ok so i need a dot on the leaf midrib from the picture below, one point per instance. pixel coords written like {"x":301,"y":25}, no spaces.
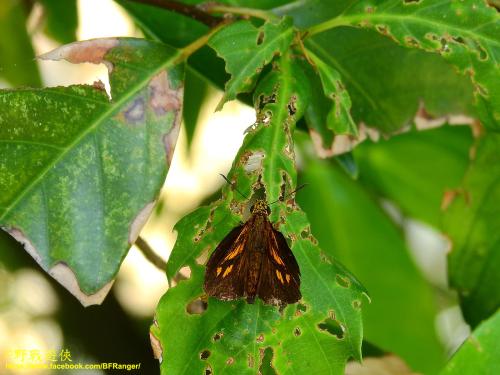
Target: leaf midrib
{"x":103,"y":117}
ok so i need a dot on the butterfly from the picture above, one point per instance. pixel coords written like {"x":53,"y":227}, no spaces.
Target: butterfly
{"x":254,"y":260}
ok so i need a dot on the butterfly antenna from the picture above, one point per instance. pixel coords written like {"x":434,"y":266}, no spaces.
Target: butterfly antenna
{"x":290,"y":193}
{"x":233,"y":186}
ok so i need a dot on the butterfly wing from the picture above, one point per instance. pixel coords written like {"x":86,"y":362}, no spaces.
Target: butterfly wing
{"x":222,"y":277}
{"x":279,"y":282}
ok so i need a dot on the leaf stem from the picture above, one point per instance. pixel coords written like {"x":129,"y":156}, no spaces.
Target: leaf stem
{"x":149,"y":254}
{"x":198,"y":43}
{"x":188,"y":10}
{"x":249,"y":12}
{"x":327,"y":25}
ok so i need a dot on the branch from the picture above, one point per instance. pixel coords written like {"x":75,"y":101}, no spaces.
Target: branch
{"x":184,"y":9}
{"x":150,"y":254}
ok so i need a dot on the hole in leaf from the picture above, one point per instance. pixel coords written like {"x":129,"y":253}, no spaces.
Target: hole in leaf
{"x":218,"y":336}
{"x":260,"y":38}
{"x":196,"y":306}
{"x":260,"y":338}
{"x":208,"y":370}
{"x":459,"y":39}
{"x":230,"y":361}
{"x":297,"y":332}
{"x":301,"y":309}
{"x":382,"y":29}
{"x":266,"y":358}
{"x":292,"y":107}
{"x":356,"y":304}
{"x":305,"y":233}
{"x":481,"y":52}
{"x":203,"y":257}
{"x":332,"y":327}
{"x":412,"y":42}
{"x":205,"y":354}
{"x":342,"y":281}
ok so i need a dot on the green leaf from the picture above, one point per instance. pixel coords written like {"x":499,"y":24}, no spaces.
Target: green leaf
{"x":479,"y":354}
{"x":414,"y":170}
{"x":339,"y":117}
{"x":79,"y":173}
{"x":61,"y":19}
{"x":320,"y":332}
{"x":472,"y":224}
{"x":247,"y":49}
{"x":467,"y":34}
{"x":352,"y":227}
{"x":17,"y":59}
{"x":387,"y":83}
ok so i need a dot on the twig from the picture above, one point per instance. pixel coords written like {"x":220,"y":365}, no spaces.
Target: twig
{"x":150,"y":254}
{"x":212,"y":7}
{"x":185,"y":9}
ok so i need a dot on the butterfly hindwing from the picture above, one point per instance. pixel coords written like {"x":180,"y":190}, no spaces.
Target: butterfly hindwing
{"x":280,"y":275}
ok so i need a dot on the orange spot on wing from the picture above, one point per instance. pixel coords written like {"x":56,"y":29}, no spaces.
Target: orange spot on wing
{"x":287,"y":276}
{"x":227,"y":271}
{"x":219,"y":270}
{"x":276,"y":257}
{"x":279,"y":276}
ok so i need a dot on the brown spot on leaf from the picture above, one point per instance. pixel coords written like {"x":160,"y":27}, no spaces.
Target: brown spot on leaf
{"x":164,"y":98}
{"x":139,"y":222}
{"x":170,"y":138}
{"x":99,"y":85}
{"x":62,"y":272}
{"x":135,"y":112}
{"x":156,"y":346}
{"x":87,"y":51}
{"x":230,"y":361}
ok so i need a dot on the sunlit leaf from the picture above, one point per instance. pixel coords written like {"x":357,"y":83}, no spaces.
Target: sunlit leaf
{"x":246,"y":49}
{"x":319,"y":333}
{"x":80,"y":173}
{"x":339,"y":117}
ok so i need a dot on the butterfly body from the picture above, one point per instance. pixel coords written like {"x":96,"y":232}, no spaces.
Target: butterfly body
{"x":254,"y":260}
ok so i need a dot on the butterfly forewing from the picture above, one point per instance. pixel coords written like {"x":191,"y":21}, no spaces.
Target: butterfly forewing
{"x":221,"y":277}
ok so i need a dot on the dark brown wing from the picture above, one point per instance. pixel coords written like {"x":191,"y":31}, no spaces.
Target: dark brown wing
{"x":222,"y":277}
{"x":279,"y":282}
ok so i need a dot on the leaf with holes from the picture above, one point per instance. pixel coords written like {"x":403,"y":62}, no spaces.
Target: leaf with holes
{"x":472,"y":223}
{"x":480,"y":352}
{"x":320,"y":332}
{"x":351,"y":226}
{"x":80,"y":172}
{"x":339,"y":117}
{"x":247,"y":49}
{"x":466,"y":33}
